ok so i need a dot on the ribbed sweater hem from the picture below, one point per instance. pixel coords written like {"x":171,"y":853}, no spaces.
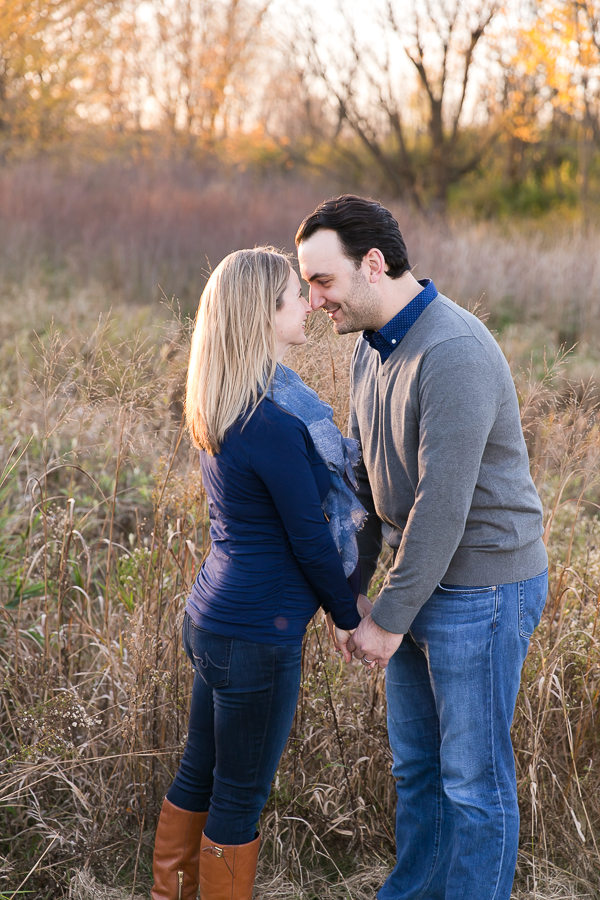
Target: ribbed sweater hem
{"x":471,"y":567}
{"x":480,"y":568}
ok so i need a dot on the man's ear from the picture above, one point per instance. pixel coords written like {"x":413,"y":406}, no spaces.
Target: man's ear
{"x":374,"y":265}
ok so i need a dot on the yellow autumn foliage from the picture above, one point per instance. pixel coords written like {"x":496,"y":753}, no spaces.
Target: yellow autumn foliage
{"x":51,"y":60}
{"x":555,"y":66}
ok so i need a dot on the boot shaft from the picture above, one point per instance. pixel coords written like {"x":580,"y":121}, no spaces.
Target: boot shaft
{"x":227,"y":871}
{"x":176,"y":853}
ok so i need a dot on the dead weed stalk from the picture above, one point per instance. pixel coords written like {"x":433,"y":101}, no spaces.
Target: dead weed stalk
{"x":104,"y":524}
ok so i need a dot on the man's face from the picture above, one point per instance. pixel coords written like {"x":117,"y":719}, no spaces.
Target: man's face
{"x":337,"y":285}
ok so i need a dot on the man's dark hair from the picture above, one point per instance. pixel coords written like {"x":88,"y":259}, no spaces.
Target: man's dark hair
{"x":360,"y":225}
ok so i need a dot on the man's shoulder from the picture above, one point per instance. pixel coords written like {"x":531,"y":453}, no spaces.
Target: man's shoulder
{"x":452,"y":339}
{"x":440,"y":322}
{"x":445,"y":320}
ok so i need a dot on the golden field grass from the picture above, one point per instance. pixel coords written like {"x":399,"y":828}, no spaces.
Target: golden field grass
{"x":103,"y":527}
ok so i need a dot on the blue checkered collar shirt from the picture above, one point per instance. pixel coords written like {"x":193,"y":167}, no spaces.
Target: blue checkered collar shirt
{"x":388,"y":338}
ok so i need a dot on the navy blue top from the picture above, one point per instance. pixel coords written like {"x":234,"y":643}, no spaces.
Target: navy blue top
{"x":388,"y":338}
{"x":272,"y":561}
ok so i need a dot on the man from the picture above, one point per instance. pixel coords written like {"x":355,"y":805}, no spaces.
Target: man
{"x":445,"y":479}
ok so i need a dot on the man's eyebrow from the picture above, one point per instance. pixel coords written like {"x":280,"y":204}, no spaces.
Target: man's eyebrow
{"x":319,"y":276}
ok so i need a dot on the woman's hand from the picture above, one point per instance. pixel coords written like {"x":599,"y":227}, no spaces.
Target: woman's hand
{"x":339,"y":637}
{"x":341,"y":642}
{"x":331,"y":629}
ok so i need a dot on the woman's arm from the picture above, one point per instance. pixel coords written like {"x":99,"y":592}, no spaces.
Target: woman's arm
{"x":283,"y":464}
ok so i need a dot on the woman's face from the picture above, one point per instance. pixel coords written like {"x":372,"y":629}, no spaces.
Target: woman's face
{"x":290,"y":318}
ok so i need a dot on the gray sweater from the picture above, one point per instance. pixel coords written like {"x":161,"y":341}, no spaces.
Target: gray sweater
{"x":444,"y":473}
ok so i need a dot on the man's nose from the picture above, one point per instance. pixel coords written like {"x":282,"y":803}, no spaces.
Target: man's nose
{"x":316,"y":300}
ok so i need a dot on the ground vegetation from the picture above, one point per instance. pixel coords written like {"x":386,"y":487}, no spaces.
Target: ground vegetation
{"x":104,"y":525}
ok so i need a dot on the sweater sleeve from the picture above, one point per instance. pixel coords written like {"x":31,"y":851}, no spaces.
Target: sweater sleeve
{"x":369,"y":537}
{"x":459,"y":397}
{"x":285,"y":468}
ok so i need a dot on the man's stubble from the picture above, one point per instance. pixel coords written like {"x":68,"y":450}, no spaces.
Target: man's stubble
{"x":361,"y":306}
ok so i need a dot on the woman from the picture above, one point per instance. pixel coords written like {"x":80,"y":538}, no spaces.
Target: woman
{"x":283,"y":524}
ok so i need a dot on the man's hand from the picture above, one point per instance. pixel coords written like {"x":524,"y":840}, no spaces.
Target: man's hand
{"x":364,"y":605}
{"x":372,"y":644}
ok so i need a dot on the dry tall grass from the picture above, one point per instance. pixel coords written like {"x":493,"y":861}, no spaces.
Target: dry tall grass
{"x":104,"y":524}
{"x":134,"y":227}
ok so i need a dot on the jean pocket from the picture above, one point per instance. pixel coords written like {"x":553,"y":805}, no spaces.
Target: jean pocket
{"x":532,"y":599}
{"x":210,"y":655}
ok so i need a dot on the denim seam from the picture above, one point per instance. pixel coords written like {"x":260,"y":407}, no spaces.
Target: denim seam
{"x":462,"y":591}
{"x":438,"y":825}
{"x":492,"y":735}
{"x":522,"y":633}
{"x":262,"y":746}
{"x":204,"y":664}
{"x":226,"y":669}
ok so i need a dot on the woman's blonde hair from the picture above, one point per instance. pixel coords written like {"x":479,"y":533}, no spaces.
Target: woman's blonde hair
{"x":233,"y":352}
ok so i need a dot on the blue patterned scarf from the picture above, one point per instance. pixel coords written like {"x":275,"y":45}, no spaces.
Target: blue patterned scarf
{"x":345,"y":514}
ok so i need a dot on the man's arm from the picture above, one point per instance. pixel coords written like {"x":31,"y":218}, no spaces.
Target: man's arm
{"x":459,"y":395}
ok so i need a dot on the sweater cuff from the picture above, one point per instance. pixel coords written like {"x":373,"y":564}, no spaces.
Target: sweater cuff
{"x":390,"y":615}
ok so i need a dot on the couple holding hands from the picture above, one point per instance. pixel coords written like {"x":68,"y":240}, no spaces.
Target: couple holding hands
{"x":436,"y":465}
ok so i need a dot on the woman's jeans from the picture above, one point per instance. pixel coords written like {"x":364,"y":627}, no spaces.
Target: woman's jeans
{"x":451,"y":691}
{"x":243,"y":704}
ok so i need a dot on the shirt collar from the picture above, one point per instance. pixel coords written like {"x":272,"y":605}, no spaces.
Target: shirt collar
{"x":389,"y":337}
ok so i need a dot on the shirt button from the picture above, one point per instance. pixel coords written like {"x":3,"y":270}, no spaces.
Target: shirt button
{"x":393,"y":340}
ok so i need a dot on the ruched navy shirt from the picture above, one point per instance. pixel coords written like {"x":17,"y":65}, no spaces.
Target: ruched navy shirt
{"x":272,"y":561}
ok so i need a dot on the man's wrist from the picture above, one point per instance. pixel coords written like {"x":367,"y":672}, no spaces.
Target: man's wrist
{"x":390,"y":617}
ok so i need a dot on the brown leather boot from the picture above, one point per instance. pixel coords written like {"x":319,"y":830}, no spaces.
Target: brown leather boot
{"x":176,"y":852}
{"x":227,"y":871}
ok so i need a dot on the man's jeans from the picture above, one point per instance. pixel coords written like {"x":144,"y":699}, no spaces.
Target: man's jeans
{"x":243,"y":704}
{"x":451,"y":691}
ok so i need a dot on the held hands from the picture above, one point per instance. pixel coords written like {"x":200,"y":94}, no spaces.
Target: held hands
{"x":340,"y":638}
{"x":341,"y":642}
{"x":371,"y":644}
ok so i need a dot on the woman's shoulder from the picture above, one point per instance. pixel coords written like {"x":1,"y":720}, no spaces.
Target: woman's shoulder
{"x":268,"y":424}
{"x":270,"y":421}
{"x":264,"y":435}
